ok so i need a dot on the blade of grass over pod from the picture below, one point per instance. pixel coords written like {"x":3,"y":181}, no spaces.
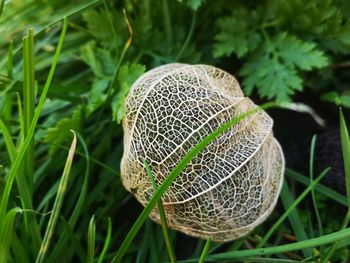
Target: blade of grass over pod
{"x":324,"y":190}
{"x":290,"y":209}
{"x":78,"y":207}
{"x":313,"y":197}
{"x":107,"y":241}
{"x":58,"y":203}
{"x":345,"y":142}
{"x":24,"y":146}
{"x":205,"y":251}
{"x":91,"y":241}
{"x":162,"y":216}
{"x":174,"y":173}
{"x":6,"y":233}
{"x":294,"y":217}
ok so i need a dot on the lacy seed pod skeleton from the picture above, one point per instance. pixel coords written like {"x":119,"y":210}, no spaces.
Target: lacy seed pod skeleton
{"x":233,"y":184}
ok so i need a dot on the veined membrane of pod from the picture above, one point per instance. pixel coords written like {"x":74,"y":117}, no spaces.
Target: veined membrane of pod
{"x":233,"y":184}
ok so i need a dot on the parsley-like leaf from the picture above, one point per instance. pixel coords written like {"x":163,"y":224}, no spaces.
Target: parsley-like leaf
{"x":273,"y":68}
{"x":237,"y":34}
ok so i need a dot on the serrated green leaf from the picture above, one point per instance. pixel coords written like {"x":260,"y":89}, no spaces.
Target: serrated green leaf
{"x":271,"y":77}
{"x":299,"y":54}
{"x":128,"y":73}
{"x":237,"y":34}
{"x":273,"y":68}
{"x":56,"y":135}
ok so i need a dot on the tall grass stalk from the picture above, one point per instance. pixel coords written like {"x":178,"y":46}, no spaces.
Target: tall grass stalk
{"x":61,"y":191}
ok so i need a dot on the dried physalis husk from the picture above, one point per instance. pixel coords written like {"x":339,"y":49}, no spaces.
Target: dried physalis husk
{"x":233,"y":184}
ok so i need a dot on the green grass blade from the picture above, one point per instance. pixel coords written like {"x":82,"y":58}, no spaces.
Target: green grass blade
{"x":6,"y":233}
{"x":58,"y":203}
{"x":163,"y":220}
{"x":173,"y":174}
{"x":107,"y":241}
{"x":10,"y":146}
{"x":314,"y":242}
{"x":322,"y":189}
{"x":294,"y":218}
{"x":2,"y":4}
{"x":91,"y":241}
{"x":24,"y":146}
{"x":313,"y":197}
{"x":334,"y":246}
{"x":205,"y":251}
{"x":345,"y":142}
{"x":6,"y":104}
{"x":78,"y":248}
{"x":247,"y":259}
{"x":28,"y":105}
{"x":59,"y":248}
{"x":19,"y":251}
{"x":290,"y":209}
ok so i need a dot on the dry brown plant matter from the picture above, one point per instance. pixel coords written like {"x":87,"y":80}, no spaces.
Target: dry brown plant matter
{"x":233,"y":184}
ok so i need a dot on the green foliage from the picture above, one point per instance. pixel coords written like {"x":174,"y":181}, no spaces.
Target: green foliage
{"x":273,"y":67}
{"x":277,"y":48}
{"x":278,"y":40}
{"x":237,"y":34}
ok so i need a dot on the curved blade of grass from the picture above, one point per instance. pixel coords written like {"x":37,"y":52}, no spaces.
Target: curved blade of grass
{"x":107,"y":241}
{"x":174,"y":173}
{"x":247,"y":259}
{"x":22,"y":149}
{"x":62,"y":241}
{"x":163,"y":220}
{"x":58,"y":203}
{"x":294,"y":217}
{"x":6,"y":233}
{"x":322,"y":189}
{"x":318,"y":241}
{"x":313,"y":197}
{"x":205,"y":251}
{"x":91,"y":241}
{"x":345,"y":143}
{"x":290,"y":209}
{"x":28,"y":108}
